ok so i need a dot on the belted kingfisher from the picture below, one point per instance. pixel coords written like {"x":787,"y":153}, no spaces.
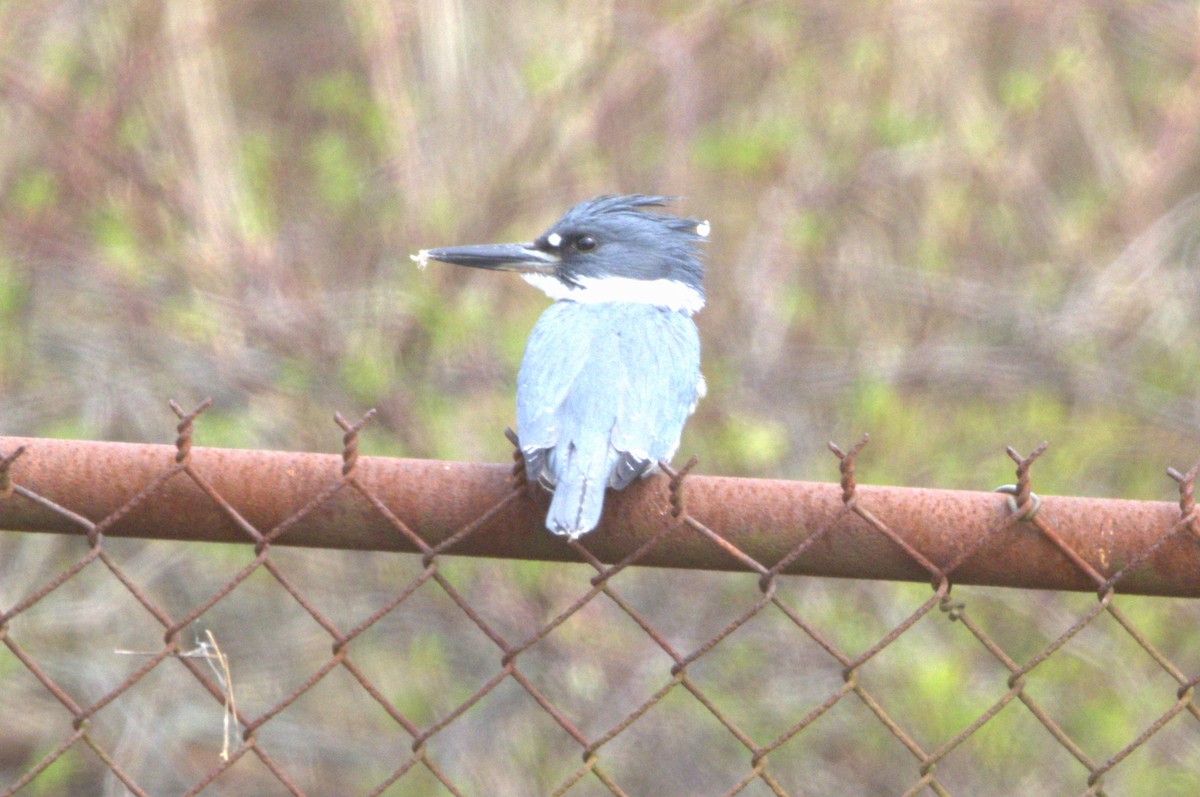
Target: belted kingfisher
{"x":611,"y":371}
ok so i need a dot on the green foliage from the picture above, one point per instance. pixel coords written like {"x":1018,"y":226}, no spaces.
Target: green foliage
{"x":259,"y":163}
{"x":339,"y":94}
{"x":753,"y":445}
{"x":225,"y":429}
{"x":808,"y":232}
{"x":895,"y":126}
{"x":426,"y":658}
{"x":367,"y":373}
{"x":337,"y":174}
{"x":749,"y":151}
{"x":35,"y":191}
{"x":1023,"y":91}
{"x":69,"y":429}
{"x":193,"y":317}
{"x":541,"y":71}
{"x":14,"y":289}
{"x":117,"y":241}
{"x":866,"y":55}
{"x":57,"y":778}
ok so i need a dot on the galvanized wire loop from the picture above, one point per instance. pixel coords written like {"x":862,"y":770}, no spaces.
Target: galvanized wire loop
{"x":1024,"y":511}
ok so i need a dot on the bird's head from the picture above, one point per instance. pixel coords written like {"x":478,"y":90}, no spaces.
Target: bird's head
{"x":607,"y":249}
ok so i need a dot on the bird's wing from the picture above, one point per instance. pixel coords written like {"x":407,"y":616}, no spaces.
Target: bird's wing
{"x":555,"y":355}
{"x":657,"y":392}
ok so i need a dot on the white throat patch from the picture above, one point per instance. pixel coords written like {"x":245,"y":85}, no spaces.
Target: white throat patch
{"x":669,"y":294}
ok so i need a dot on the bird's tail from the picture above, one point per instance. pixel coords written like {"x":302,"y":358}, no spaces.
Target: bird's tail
{"x":579,"y":495}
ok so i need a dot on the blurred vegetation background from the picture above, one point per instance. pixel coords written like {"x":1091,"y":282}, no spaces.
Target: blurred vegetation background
{"x":954,"y":225}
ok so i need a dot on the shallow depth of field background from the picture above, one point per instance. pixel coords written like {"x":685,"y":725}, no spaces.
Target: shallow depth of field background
{"x":953,"y":225}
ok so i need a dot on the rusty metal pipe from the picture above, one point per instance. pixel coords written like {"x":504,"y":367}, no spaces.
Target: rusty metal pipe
{"x":764,"y":518}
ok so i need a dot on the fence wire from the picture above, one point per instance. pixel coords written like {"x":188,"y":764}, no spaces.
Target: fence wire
{"x":418,"y":766}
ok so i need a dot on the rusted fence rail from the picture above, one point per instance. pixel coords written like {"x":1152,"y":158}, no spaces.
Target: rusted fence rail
{"x":1073,"y":543}
{"x":771,"y":529}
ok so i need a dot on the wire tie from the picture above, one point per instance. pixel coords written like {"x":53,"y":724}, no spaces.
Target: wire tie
{"x":1010,"y":492}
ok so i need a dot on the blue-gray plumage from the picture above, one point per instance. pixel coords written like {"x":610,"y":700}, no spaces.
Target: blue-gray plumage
{"x":611,"y":371}
{"x":602,"y":396}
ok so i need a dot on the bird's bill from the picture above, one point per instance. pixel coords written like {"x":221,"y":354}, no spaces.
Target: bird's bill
{"x":524,"y":257}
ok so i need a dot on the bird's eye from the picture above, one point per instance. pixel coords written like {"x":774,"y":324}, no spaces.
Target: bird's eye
{"x":585,"y":243}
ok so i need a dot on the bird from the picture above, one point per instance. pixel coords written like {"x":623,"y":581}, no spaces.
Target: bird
{"x":611,"y":370}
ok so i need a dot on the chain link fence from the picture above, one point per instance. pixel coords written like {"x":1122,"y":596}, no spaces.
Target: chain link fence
{"x":613,"y":683}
